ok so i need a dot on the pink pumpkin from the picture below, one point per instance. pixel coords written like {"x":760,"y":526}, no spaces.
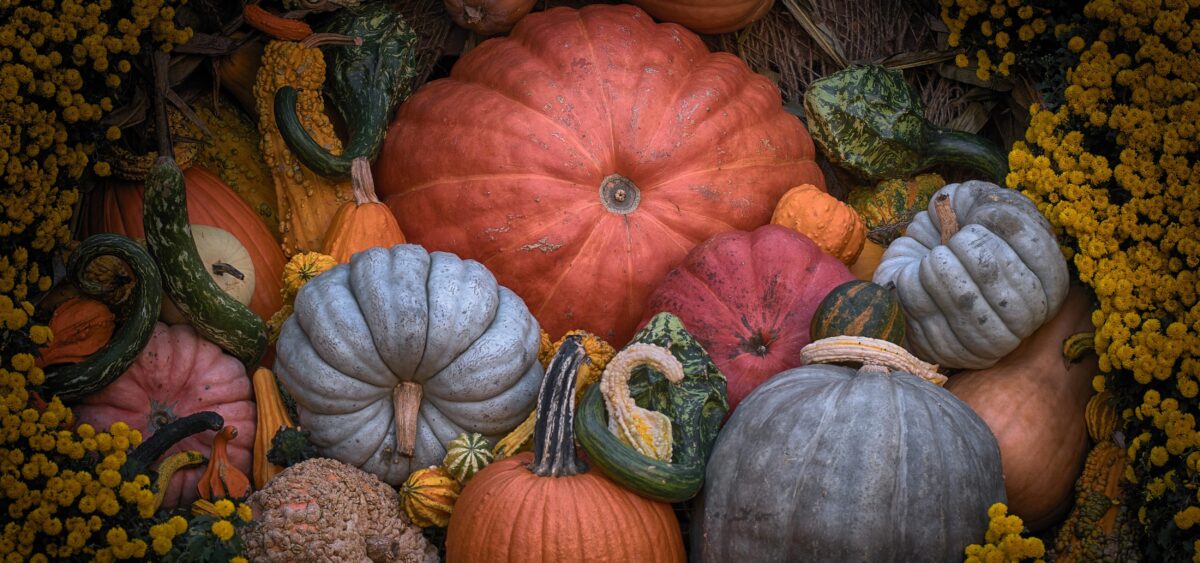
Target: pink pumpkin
{"x":177,"y":374}
{"x":748,"y":298}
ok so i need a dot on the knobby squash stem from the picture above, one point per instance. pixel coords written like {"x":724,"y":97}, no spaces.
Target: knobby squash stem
{"x":554,"y":431}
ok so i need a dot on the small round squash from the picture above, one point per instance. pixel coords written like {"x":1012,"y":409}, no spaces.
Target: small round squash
{"x":859,"y":308}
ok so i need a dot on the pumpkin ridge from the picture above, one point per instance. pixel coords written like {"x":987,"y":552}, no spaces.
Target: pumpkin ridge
{"x":570,"y":265}
{"x":488,"y":178}
{"x":756,"y":162}
{"x":942,"y":297}
{"x":996,"y":241}
{"x":726,"y":226}
{"x":604,"y":95}
{"x":533,"y":220}
{"x":672,"y":234}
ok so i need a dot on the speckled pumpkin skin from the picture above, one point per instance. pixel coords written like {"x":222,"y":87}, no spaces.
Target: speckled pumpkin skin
{"x":861,"y":466}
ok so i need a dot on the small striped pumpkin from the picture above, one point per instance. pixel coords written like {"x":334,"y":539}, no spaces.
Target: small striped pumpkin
{"x":466,"y":455}
{"x":859,"y":308}
{"x":428,"y":496}
{"x":1102,"y":418}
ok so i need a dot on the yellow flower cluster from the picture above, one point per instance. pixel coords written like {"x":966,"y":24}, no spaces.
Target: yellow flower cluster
{"x":1114,"y":170}
{"x":1003,"y":541}
{"x":1002,"y":25}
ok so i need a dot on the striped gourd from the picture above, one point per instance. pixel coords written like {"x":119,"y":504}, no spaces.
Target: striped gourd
{"x":859,"y":308}
{"x":466,"y":455}
{"x":215,"y":314}
{"x":428,"y":496}
{"x":1102,"y":418}
{"x":75,"y":381}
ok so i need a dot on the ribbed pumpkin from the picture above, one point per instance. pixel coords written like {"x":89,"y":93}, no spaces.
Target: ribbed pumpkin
{"x":833,"y":225}
{"x":843,"y":464}
{"x":584,"y":155}
{"x":118,"y":209}
{"x":1034,"y":401}
{"x":749,"y":299}
{"x":428,"y":496}
{"x":363,"y":223}
{"x":547,"y":507}
{"x":859,"y":308}
{"x":708,"y":16}
{"x":177,"y":374}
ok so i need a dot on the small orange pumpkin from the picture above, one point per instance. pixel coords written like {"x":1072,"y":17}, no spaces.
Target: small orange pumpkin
{"x":833,"y":225}
{"x":363,"y":223}
{"x":80,"y":326}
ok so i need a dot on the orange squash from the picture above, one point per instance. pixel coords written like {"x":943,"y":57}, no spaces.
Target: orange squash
{"x":1102,"y":526}
{"x":238,"y":71}
{"x":363,"y":223}
{"x":864,"y":267}
{"x":222,"y":478}
{"x":488,"y":17}
{"x":1034,"y":402}
{"x":833,"y":225}
{"x":80,"y":326}
{"x":272,"y":417}
{"x":708,"y":16}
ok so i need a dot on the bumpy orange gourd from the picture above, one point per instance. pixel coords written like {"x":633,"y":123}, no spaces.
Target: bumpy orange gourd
{"x":272,"y":417}
{"x":1034,"y":402}
{"x":232,"y":152}
{"x":80,"y":326}
{"x":1102,"y":525}
{"x":307,"y":201}
{"x":833,"y":225}
{"x":363,"y":223}
{"x":222,"y":478}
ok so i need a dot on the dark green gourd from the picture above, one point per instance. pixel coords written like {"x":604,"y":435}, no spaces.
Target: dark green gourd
{"x":870,"y":121}
{"x":696,"y":407}
{"x":364,"y":82}
{"x":75,"y":381}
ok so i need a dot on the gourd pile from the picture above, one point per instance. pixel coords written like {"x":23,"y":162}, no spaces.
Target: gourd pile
{"x":590,"y":292}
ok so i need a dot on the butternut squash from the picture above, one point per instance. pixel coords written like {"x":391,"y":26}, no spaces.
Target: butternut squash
{"x":1034,"y":402}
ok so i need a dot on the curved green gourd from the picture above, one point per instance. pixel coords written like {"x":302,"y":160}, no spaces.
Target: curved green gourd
{"x":154,"y":446}
{"x":215,"y":314}
{"x":870,"y":121}
{"x":696,"y":407}
{"x":75,"y":381}
{"x":365,"y":83}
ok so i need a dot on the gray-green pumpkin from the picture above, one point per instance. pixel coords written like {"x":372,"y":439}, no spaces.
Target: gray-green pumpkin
{"x":364,"y":82}
{"x":831,"y":463}
{"x":974,"y":289}
{"x":870,"y":121}
{"x":403,"y":349}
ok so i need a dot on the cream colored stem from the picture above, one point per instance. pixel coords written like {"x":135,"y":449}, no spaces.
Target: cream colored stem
{"x":647,"y":431}
{"x":947,"y":220}
{"x":869,"y":352}
{"x":362,"y":181}
{"x":406,"y":399}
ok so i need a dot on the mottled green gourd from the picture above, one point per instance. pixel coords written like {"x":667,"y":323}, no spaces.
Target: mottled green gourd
{"x":870,"y":121}
{"x":466,"y":455}
{"x":889,"y":206}
{"x":364,"y":82}
{"x":215,"y":314}
{"x":75,"y":381}
{"x":696,"y":406}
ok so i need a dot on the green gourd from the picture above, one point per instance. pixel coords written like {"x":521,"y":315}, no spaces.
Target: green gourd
{"x":364,"y":82}
{"x":859,"y":308}
{"x":889,"y":206}
{"x":466,"y":455}
{"x":75,"y":381}
{"x":696,"y":407}
{"x":215,"y":314}
{"x":870,"y":121}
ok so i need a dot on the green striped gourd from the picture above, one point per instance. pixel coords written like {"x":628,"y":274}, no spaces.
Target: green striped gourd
{"x":859,"y":308}
{"x":466,"y":455}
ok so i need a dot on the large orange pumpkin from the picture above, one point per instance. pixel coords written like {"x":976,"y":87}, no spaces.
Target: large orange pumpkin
{"x":581,"y":158}
{"x":118,"y":209}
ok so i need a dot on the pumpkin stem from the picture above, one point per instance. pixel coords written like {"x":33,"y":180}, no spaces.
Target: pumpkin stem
{"x":947,"y":220}
{"x":473,"y":13}
{"x":322,"y":39}
{"x":406,"y":402}
{"x":223,"y":268}
{"x":362,"y":181}
{"x":619,"y":194}
{"x":868,"y":352}
{"x":554,"y":431}
{"x":647,"y":431}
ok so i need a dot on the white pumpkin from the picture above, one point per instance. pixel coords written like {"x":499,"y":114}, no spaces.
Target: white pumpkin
{"x":971,"y":296}
{"x":395,"y":354}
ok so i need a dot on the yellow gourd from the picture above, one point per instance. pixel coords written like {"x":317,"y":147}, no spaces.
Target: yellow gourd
{"x":272,"y":417}
{"x":428,"y":496}
{"x":307,"y":201}
{"x":233,"y":152}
